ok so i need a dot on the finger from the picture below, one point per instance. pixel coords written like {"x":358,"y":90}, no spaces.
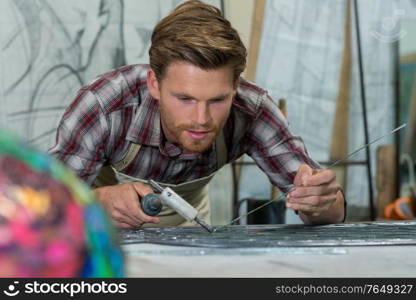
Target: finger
{"x":136,"y":212}
{"x":123,"y":210}
{"x":300,"y":207}
{"x":133,"y":208}
{"x":122,"y":225}
{"x":321,"y":177}
{"x":313,"y":214}
{"x":315,"y":201}
{"x":120,"y":218}
{"x":306,"y":208}
{"x":303,"y":173}
{"x":321,"y":190}
{"x":146,"y":218}
{"x":142,"y":189}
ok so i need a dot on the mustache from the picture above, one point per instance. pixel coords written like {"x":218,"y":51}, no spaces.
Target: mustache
{"x":196,"y":127}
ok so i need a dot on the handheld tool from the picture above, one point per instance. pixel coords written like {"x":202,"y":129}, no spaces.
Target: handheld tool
{"x":152,"y":204}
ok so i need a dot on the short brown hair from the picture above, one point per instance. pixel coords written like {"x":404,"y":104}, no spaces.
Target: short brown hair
{"x":197,"y":33}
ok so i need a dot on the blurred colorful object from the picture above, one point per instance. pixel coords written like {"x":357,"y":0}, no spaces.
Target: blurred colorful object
{"x":50,"y":223}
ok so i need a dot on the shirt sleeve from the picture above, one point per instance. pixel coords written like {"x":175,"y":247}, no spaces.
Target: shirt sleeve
{"x":273,"y":147}
{"x":81,"y":137}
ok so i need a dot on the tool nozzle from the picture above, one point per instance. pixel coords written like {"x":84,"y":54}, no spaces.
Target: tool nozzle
{"x":155,"y":186}
{"x":204,"y":225}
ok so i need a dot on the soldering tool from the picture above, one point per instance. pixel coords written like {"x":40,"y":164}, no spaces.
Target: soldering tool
{"x":152,"y":204}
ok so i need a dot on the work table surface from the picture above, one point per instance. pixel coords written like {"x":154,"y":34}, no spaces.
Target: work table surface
{"x":371,"y":249}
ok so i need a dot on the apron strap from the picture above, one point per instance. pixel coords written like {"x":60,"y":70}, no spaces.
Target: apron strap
{"x":128,"y":158}
{"x":221,"y":150}
{"x":106,"y":176}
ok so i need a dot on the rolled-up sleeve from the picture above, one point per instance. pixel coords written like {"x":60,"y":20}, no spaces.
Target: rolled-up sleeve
{"x":81,"y":137}
{"x":273,"y":147}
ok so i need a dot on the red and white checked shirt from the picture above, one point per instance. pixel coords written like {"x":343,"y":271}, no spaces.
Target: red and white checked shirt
{"x":116,"y":109}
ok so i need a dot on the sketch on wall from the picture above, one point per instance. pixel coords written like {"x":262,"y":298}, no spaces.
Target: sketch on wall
{"x":49,"y":49}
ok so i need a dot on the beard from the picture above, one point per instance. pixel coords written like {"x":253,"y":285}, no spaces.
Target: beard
{"x":179,"y":133}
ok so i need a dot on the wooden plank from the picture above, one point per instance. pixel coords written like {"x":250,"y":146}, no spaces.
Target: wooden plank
{"x":339,"y":139}
{"x":410,"y":138}
{"x":250,"y":73}
{"x":385,"y":177}
{"x":408,"y":58}
{"x":253,"y":51}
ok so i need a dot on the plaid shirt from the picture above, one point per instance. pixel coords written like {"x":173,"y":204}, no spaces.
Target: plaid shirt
{"x":116,"y":109}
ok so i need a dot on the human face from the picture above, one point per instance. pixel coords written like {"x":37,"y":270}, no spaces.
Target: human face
{"x":194,"y":103}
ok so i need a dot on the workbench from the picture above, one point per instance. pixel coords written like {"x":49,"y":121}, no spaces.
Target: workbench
{"x":367,"y":249}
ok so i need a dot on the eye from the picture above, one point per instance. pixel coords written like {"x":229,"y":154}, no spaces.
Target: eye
{"x":217,"y":100}
{"x":184,"y":98}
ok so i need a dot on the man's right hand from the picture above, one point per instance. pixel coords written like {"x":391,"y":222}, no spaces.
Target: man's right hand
{"x":122,"y":203}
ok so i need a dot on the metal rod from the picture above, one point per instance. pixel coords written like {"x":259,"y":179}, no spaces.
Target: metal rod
{"x":396,"y":75}
{"x":155,"y":185}
{"x":222,"y":7}
{"x":236,"y":183}
{"x":204,"y":225}
{"x":364,"y":111}
{"x":366,"y":145}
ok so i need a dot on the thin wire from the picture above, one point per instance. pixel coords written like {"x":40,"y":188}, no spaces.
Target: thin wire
{"x":283,"y":196}
{"x":366,"y":145}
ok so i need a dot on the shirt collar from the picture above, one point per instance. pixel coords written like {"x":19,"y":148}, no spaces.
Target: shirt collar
{"x":145,"y":128}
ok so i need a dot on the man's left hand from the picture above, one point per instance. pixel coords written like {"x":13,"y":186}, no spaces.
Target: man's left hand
{"x":317,"y":196}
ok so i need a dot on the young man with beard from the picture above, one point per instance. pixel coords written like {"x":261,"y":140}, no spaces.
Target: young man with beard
{"x":179,"y":120}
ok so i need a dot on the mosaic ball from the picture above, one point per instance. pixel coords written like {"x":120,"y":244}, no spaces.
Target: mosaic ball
{"x":50,"y":222}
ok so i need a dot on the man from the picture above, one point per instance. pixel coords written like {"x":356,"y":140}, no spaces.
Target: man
{"x":181,"y":119}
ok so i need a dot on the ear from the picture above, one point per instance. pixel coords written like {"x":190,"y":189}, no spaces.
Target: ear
{"x":153,"y":84}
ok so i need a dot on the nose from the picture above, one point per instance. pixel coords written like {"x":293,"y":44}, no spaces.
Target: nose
{"x":202,"y":114}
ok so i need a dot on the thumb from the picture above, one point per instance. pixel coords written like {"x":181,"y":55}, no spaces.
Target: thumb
{"x":142,"y":189}
{"x":304,"y":172}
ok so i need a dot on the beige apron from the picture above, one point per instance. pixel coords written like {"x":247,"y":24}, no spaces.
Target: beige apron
{"x":195,"y":192}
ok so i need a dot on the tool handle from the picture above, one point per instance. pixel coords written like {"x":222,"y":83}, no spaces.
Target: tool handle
{"x":151,"y":204}
{"x":177,"y":203}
